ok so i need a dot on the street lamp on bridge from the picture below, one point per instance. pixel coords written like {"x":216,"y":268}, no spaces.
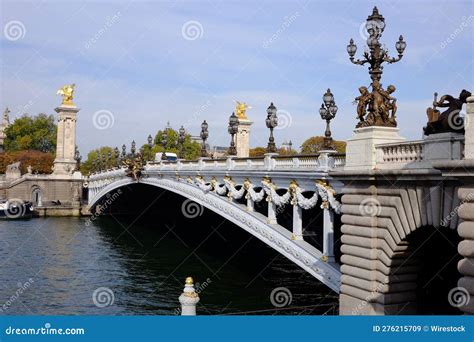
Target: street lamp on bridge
{"x":150,"y":146}
{"x":379,"y":104}
{"x":233,"y":129}
{"x":133,"y":149}
{"x":204,"y":136}
{"x":271,"y":121}
{"x":328,"y":111}
{"x":164,"y":142}
{"x":181,"y":138}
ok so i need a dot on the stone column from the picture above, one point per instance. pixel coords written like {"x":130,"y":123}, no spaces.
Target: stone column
{"x":64,"y":164}
{"x":469,"y":129}
{"x":243,"y":138}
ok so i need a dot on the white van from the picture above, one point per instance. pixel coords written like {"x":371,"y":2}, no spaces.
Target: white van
{"x":170,"y":156}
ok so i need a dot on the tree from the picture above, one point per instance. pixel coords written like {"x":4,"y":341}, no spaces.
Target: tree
{"x":257,"y":151}
{"x":314,"y":144}
{"x":191,"y":149}
{"x":32,"y":133}
{"x":41,"y":162}
{"x":88,"y":166}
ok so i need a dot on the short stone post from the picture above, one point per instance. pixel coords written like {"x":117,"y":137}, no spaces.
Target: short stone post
{"x":297,"y":223}
{"x":189,"y":298}
{"x":325,"y":161}
{"x":271,"y":217}
{"x":328,"y":233}
{"x":250,"y":204}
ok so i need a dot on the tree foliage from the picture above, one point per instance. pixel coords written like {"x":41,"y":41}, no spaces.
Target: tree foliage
{"x":314,"y":145}
{"x":191,"y":149}
{"x":260,"y":151}
{"x":109,"y":161}
{"x":32,"y":133}
{"x":41,"y":162}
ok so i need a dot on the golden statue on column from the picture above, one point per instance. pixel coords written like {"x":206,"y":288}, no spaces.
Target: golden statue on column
{"x":67,"y":92}
{"x":240,"y":109}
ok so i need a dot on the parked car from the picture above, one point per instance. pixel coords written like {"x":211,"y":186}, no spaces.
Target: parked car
{"x":170,"y":156}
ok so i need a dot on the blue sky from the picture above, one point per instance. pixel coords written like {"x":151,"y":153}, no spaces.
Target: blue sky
{"x":136,"y":62}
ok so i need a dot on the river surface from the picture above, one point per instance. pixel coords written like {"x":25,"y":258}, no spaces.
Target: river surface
{"x":74,"y":266}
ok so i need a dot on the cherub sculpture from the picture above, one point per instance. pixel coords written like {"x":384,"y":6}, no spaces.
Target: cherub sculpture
{"x":362,"y":100}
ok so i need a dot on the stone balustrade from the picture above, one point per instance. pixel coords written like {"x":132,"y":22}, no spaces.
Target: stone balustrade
{"x":269,"y":163}
{"x":400,"y":153}
{"x":420,"y":154}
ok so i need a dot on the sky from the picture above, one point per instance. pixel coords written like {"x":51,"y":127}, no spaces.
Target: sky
{"x":140,"y":64}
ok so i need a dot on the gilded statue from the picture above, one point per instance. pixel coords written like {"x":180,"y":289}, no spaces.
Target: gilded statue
{"x":449,"y":120}
{"x":134,"y":167}
{"x":240,"y":109}
{"x":67,"y":92}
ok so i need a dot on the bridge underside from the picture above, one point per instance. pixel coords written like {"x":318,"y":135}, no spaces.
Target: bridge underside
{"x":256,"y":223}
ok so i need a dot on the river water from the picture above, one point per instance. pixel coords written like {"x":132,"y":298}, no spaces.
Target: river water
{"x":110,"y":266}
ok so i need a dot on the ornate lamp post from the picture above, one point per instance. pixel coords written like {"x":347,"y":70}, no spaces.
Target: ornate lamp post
{"x":124,"y":152}
{"x":181,"y":138}
{"x":233,"y":129}
{"x":133,"y":149}
{"x":164,"y":142}
{"x":77,"y":158}
{"x":117,"y":156}
{"x":271,"y":121}
{"x":290,"y":146}
{"x":204,"y":136}
{"x":379,"y":103}
{"x":104,"y":162}
{"x":328,"y":111}
{"x":150,"y":146}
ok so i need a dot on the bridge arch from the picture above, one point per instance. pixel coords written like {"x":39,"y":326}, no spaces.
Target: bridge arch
{"x":385,"y":235}
{"x":274,"y":235}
